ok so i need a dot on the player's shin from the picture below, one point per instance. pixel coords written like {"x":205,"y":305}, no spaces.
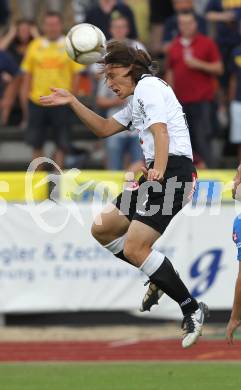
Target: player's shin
{"x":161,"y":272}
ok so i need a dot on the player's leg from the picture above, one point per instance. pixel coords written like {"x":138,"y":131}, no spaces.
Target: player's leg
{"x":138,"y":249}
{"x":176,"y":192}
{"x":167,"y":200}
{"x":109,"y":229}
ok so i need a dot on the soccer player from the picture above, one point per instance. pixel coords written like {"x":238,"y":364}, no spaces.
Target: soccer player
{"x":144,"y":209}
{"x":235,"y":318}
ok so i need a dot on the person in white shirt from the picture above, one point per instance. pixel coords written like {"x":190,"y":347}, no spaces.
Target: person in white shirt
{"x":144,"y":209}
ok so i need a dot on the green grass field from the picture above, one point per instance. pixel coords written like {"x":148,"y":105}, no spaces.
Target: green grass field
{"x":123,"y":376}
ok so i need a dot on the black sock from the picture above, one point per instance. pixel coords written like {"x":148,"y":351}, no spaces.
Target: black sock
{"x":121,"y":256}
{"x":167,"y":279}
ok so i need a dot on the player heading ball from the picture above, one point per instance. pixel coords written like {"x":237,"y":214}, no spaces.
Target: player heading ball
{"x":155,"y":112}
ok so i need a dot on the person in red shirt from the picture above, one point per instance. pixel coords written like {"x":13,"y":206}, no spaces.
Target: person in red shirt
{"x":193,"y":63}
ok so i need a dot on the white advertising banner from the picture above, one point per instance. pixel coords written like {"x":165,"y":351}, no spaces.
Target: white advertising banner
{"x":50,"y":262}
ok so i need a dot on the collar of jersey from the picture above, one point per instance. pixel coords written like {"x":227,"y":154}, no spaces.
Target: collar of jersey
{"x":46,"y":42}
{"x":144,"y":75}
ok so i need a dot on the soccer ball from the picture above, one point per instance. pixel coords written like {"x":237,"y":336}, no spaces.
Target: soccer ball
{"x":85,"y":43}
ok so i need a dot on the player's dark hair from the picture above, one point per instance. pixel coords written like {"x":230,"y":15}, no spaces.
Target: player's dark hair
{"x":121,"y":54}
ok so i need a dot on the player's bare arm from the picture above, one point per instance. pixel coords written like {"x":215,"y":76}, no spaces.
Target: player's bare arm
{"x":235,"y":318}
{"x":98,"y":125}
{"x":161,"y":142}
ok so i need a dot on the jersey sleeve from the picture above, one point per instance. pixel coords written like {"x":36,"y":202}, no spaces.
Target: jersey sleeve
{"x":237,"y":236}
{"x":124,"y":116}
{"x":151,"y":103}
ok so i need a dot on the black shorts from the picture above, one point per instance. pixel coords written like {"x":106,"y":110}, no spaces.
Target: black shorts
{"x":45,"y":120}
{"x":155,"y":204}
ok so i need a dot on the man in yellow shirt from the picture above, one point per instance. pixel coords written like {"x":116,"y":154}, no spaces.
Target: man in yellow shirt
{"x":45,"y":64}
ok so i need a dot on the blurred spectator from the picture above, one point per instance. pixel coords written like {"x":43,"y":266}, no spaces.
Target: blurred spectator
{"x":4,"y":14}
{"x":123,"y":150}
{"x":235,"y":98}
{"x":159,"y":12}
{"x":226,"y":15}
{"x":9,"y":84}
{"x":194,"y":61}
{"x":100,"y":16}
{"x":80,"y":8}
{"x":16,"y":41}
{"x":141,"y":12}
{"x":120,"y":28}
{"x":171,"y":25}
{"x":46,"y":64}
{"x":29,"y":8}
{"x":18,"y":37}
{"x":200,"y":7}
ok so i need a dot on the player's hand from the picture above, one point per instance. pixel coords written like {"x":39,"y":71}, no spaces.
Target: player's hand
{"x":58,"y":97}
{"x":152,"y":174}
{"x":231,"y":327}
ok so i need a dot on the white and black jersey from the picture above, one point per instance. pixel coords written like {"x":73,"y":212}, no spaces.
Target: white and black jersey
{"x":155,"y":102}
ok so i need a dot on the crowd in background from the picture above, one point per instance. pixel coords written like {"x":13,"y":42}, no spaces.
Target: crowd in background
{"x":196,"y":43}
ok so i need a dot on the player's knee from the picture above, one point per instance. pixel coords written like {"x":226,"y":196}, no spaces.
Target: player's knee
{"x":98,"y":232}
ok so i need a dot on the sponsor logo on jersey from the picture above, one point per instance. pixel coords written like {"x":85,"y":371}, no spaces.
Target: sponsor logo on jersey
{"x":142,"y":107}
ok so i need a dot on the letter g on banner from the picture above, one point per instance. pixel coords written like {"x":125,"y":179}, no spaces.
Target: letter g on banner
{"x":205,"y":270}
